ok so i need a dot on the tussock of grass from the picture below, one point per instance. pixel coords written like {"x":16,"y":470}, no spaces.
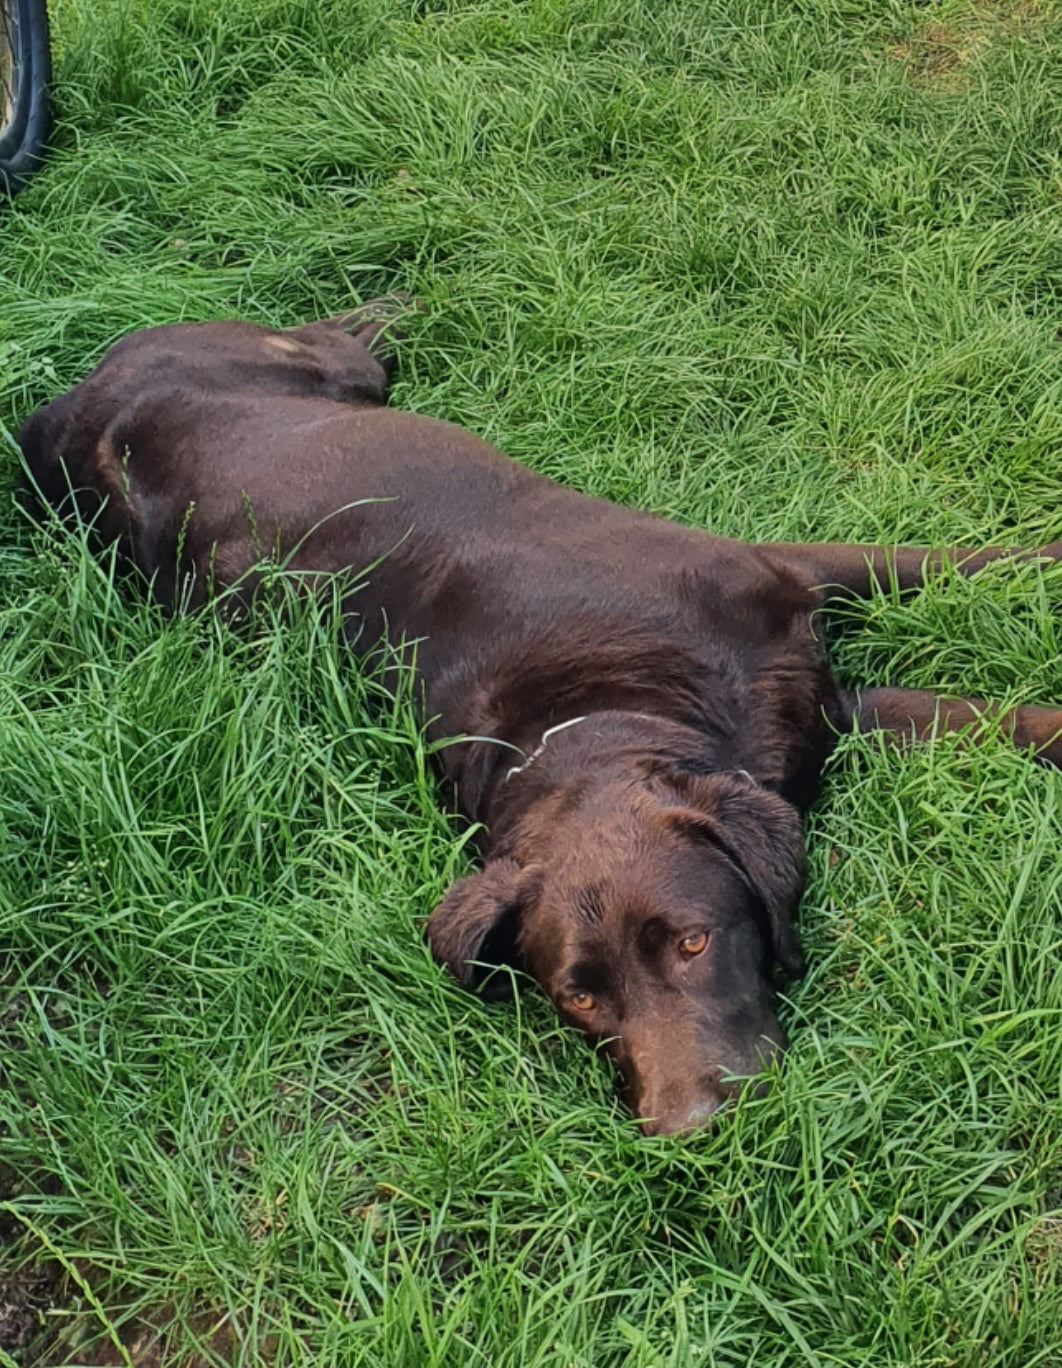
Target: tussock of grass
{"x":759,"y":267}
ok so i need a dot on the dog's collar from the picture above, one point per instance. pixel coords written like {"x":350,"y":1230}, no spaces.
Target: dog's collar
{"x":552,"y":731}
{"x":574,"y":722}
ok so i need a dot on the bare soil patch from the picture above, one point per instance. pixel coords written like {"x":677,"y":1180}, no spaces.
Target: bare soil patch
{"x":943,"y":50}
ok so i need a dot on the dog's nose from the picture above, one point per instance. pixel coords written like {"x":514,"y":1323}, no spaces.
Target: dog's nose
{"x":669,"y":1095}
{"x":674,"y":1110}
{"x":674,"y":1115}
{"x":683,"y":1120}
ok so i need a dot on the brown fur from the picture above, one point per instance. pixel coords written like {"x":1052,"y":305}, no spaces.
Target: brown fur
{"x":644,"y":865}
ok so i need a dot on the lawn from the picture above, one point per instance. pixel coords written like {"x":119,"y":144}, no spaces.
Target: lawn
{"x":790,"y":268}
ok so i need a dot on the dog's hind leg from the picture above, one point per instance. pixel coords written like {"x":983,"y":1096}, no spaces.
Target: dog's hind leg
{"x":835,"y":570}
{"x":915,"y":714}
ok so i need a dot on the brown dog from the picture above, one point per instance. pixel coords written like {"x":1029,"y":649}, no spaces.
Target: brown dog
{"x":657,"y":705}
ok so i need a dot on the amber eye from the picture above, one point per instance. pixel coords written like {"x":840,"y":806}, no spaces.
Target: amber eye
{"x":582,"y":1002}
{"x":693,"y":945}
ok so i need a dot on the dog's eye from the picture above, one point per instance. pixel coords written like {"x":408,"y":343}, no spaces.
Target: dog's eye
{"x":583,"y":1002}
{"x":695,"y":944}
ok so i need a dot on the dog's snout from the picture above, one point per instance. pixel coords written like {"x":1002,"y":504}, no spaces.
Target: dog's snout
{"x":689,"y":1117}
{"x":666,"y":1104}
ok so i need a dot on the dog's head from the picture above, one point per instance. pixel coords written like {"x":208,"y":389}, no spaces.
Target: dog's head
{"x":653,"y":916}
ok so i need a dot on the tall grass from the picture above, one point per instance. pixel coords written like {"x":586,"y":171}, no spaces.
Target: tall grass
{"x":781,"y":269}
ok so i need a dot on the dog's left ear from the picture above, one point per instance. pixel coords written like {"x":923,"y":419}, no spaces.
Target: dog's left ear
{"x":762,"y":837}
{"x":474,"y":929}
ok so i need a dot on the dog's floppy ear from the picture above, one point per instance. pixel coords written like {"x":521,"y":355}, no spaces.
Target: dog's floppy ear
{"x":762,"y":837}
{"x":475,"y":927}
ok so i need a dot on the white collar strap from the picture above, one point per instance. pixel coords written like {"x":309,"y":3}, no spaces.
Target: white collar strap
{"x":574,"y":722}
{"x":519,"y":769}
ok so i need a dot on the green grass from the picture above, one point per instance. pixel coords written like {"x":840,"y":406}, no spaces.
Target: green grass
{"x":788,"y":268}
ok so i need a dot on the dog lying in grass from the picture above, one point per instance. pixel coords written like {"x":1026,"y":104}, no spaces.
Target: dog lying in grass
{"x":649,"y":706}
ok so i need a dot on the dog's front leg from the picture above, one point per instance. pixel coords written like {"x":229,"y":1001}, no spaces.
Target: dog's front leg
{"x":914,"y":714}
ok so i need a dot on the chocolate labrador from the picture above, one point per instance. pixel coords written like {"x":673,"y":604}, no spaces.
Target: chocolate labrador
{"x":650,"y":704}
